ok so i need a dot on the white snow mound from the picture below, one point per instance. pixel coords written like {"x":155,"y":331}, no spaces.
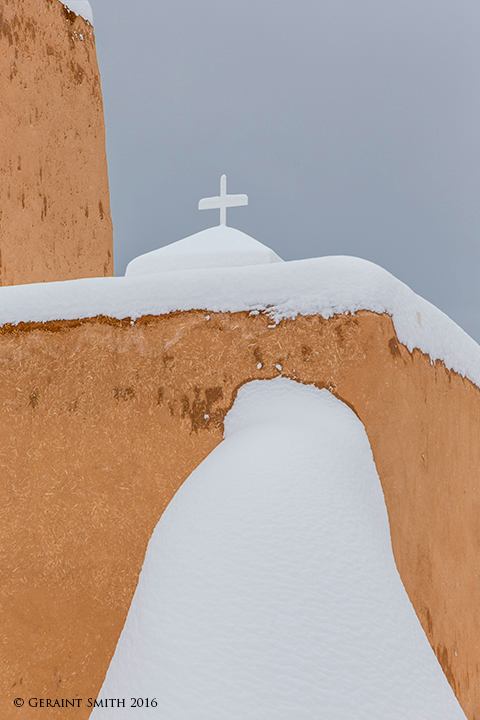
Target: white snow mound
{"x":269,"y":588}
{"x":80,"y":7}
{"x":217,"y":247}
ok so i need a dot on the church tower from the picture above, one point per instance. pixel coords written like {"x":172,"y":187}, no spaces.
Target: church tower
{"x":54,"y":202}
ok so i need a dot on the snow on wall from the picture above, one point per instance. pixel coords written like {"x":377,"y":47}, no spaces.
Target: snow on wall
{"x":324,"y":286}
{"x":269,"y":588}
{"x":80,"y":7}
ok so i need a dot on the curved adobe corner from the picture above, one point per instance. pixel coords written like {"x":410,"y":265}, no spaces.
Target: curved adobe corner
{"x":54,"y":200}
{"x":103,"y":420}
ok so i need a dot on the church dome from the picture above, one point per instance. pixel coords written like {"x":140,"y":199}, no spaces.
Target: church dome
{"x":219,"y":246}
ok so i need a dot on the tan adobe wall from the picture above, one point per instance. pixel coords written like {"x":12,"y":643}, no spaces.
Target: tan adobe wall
{"x":54,"y":202}
{"x":101,"y":421}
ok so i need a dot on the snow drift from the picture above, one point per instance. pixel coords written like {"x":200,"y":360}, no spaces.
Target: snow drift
{"x":269,"y":588}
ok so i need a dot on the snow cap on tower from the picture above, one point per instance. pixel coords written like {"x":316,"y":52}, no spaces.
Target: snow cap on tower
{"x":80,"y":7}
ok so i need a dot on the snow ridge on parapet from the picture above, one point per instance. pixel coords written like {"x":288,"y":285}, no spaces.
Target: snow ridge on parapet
{"x":320,"y":286}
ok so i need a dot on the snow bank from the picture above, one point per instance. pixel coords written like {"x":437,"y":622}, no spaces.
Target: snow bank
{"x":216,"y":247}
{"x":80,"y":7}
{"x":269,"y":588}
{"x":323,"y":286}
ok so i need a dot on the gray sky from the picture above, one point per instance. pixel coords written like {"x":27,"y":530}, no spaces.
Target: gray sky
{"x":352,"y":125}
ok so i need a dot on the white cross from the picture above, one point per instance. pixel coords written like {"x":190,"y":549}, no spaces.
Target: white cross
{"x":222,"y":201}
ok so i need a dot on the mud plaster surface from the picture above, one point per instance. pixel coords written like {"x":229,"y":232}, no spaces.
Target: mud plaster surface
{"x":54,"y":201}
{"x":103,"y":420}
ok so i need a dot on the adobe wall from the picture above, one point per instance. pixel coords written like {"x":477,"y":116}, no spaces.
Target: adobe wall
{"x":103,"y":420}
{"x":54,"y":201}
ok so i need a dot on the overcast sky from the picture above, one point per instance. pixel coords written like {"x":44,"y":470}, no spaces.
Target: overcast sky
{"x":352,"y":125}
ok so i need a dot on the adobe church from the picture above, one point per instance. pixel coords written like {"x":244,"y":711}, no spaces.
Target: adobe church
{"x":113,"y":392}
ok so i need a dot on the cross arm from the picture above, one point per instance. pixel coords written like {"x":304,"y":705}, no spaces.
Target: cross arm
{"x":213,"y":203}
{"x":237,"y":200}
{"x":210,"y":203}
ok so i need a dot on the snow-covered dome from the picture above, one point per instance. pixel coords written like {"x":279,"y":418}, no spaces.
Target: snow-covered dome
{"x":219,"y":246}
